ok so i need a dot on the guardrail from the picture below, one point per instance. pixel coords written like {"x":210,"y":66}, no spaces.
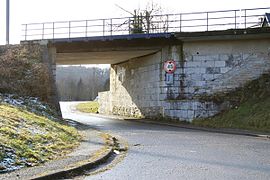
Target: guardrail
{"x":182,"y":22}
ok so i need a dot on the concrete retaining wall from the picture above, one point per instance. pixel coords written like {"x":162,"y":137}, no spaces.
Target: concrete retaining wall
{"x":104,"y":99}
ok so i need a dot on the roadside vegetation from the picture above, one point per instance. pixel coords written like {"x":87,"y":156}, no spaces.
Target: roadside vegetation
{"x":89,"y":107}
{"x":29,"y":138}
{"x":250,"y":111}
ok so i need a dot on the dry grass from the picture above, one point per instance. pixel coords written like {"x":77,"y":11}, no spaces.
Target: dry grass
{"x":89,"y":107}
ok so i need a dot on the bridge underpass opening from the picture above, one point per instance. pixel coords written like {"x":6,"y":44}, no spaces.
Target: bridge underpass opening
{"x":139,"y":51}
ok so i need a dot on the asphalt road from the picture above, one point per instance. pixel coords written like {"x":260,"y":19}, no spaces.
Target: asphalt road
{"x":163,"y":152}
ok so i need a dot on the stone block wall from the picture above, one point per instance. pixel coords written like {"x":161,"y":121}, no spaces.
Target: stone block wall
{"x":212,"y":67}
{"x":223,"y":66}
{"x":134,"y":86}
{"x":138,"y":86}
{"x":179,"y":99}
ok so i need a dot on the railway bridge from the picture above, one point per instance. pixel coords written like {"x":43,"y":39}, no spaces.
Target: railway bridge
{"x":164,"y":67}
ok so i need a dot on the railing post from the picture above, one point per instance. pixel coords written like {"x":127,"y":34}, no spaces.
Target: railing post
{"x":42,"y":30}
{"x":111,"y":27}
{"x":235,"y":19}
{"x":167,"y":28}
{"x":69,"y":24}
{"x":129,"y":29}
{"x":86,"y":28}
{"x":207,"y":21}
{"x":103,"y":27}
{"x":25,"y":36}
{"x":53,"y":30}
{"x":180,"y":22}
{"x":245,"y":18}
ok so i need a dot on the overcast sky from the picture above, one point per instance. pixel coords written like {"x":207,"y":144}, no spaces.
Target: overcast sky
{"x":29,"y":11}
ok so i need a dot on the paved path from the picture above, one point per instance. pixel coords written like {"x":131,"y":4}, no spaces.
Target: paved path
{"x":163,"y":152}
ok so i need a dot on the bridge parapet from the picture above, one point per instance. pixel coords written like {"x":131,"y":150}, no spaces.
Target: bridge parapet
{"x":181,"y":22}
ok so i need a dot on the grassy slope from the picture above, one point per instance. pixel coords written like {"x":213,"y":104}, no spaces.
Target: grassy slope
{"x":251,"y":115}
{"x":251,"y":112}
{"x":33,"y":139}
{"x":89,"y":107}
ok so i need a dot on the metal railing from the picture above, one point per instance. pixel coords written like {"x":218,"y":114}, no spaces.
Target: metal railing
{"x":182,"y":22}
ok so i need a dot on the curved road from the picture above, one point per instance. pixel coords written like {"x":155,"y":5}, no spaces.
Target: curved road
{"x":163,"y":152}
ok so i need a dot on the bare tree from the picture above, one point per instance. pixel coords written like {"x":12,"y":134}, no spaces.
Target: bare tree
{"x":148,"y":20}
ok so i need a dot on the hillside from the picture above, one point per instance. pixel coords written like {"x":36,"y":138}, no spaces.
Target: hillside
{"x":250,"y":108}
{"x":30,"y":133}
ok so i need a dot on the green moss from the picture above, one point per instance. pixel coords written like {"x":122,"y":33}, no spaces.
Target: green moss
{"x":89,"y":107}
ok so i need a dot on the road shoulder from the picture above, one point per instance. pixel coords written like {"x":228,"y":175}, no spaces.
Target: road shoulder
{"x":188,"y":126}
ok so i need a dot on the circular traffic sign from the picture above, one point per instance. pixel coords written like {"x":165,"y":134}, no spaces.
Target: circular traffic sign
{"x":170,"y":66}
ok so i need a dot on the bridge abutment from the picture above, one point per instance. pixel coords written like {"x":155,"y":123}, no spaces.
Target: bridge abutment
{"x":204,"y":69}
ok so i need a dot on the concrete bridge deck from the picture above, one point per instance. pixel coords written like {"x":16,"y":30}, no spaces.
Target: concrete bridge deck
{"x":120,"y":48}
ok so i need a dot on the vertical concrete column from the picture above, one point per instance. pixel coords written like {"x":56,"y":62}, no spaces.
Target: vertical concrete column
{"x":52,"y":54}
{"x":54,"y":94}
{"x":49,"y":58}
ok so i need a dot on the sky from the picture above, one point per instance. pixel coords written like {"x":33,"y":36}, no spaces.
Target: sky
{"x":30,"y":11}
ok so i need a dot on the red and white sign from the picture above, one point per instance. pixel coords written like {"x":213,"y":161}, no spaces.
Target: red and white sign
{"x":170,"y":66}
